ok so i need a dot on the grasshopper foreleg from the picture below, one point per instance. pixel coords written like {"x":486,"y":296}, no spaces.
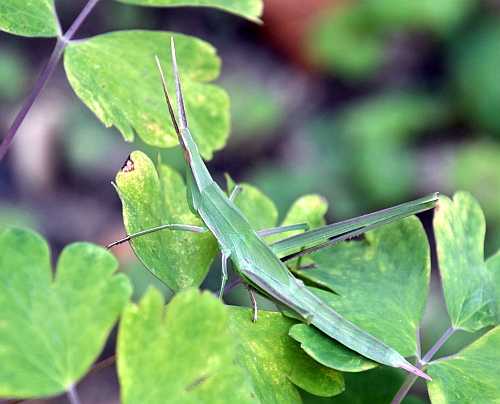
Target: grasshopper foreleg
{"x":235,"y":192}
{"x":172,"y":226}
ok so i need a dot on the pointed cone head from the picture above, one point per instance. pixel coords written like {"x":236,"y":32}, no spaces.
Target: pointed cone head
{"x":178,"y":88}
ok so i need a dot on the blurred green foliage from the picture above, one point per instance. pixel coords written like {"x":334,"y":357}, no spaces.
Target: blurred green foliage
{"x":379,"y":134}
{"x":255,"y":110}
{"x":477,"y":169}
{"x":475,"y":63}
{"x":13,"y":75}
{"x":14,"y":216}
{"x":351,"y":40}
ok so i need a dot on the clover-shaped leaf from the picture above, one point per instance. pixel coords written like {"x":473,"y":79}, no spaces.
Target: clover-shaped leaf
{"x":261,"y":212}
{"x":115,"y":75}
{"x":469,"y":291}
{"x":151,"y":198}
{"x":52,"y":330}
{"x":32,"y":18}
{"x":251,"y":9}
{"x":274,"y":361}
{"x":257,"y":207}
{"x":310,"y":209}
{"x":185,"y":352}
{"x":470,"y":376}
{"x":382,"y":285}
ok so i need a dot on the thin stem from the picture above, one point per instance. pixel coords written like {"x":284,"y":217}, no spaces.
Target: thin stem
{"x":30,"y":100}
{"x":73,"y":395}
{"x":80,"y":19}
{"x":44,"y":76}
{"x":437,"y":346}
{"x":405,"y":388}
{"x":410,"y":380}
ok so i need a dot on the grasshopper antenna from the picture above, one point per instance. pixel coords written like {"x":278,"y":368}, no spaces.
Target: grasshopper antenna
{"x":178,"y":88}
{"x":167,"y":97}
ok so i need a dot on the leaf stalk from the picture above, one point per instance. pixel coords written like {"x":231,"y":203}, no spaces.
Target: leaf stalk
{"x":44,"y":76}
{"x":411,"y":379}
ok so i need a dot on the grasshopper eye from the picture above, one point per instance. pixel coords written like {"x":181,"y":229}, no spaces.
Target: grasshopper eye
{"x":128,"y":166}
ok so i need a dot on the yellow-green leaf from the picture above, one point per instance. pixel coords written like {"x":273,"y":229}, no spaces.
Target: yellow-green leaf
{"x":32,"y":18}
{"x":53,"y":329}
{"x":469,"y":292}
{"x":274,"y":361}
{"x":115,"y":75}
{"x":182,"y":354}
{"x":257,"y":207}
{"x":251,"y":9}
{"x":470,"y":376}
{"x":152,"y":197}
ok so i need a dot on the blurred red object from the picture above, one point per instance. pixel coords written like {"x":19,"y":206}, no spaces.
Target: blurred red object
{"x":287,"y":22}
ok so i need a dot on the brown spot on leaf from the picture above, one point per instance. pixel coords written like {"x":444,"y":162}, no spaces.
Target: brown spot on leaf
{"x":197,"y":382}
{"x":128,"y":166}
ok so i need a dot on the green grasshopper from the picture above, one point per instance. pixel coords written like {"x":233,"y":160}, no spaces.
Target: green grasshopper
{"x":258,"y":264}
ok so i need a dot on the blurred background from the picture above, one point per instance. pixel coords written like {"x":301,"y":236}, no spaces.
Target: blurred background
{"x":369,"y":103}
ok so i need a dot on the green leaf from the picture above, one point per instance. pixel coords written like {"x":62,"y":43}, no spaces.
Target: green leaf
{"x":319,"y":347}
{"x":377,"y":386}
{"x":52,"y":330}
{"x":261,"y":211}
{"x":310,"y":209}
{"x":151,"y":198}
{"x":32,"y":18}
{"x":493,"y":265}
{"x":274,"y":361}
{"x":258,"y":208}
{"x":115,"y":75}
{"x":471,"y":376}
{"x":251,"y":9}
{"x":184,"y":353}
{"x":382,"y":285}
{"x":469,"y":292}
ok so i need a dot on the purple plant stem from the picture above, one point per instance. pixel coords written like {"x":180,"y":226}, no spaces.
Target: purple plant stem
{"x":80,"y":19}
{"x":73,"y":395}
{"x":439,"y":343}
{"x":44,"y":76}
{"x":405,"y":388}
{"x":410,"y":380}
